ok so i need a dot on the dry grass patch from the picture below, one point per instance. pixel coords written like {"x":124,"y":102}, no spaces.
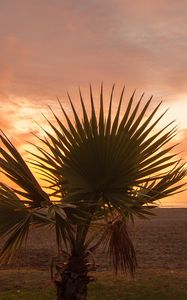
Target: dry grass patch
{"x":152,"y":284}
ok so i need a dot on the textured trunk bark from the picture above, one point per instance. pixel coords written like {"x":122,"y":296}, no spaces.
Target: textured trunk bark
{"x":73,"y":280}
{"x":72,"y":288}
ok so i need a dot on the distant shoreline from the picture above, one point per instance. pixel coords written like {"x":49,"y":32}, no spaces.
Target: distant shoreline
{"x":168,"y":207}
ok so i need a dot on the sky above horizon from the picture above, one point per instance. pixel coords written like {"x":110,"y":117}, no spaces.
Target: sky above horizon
{"x":50,"y":46}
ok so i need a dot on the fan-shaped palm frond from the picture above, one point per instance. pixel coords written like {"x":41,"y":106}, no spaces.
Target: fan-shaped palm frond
{"x":106,"y":162}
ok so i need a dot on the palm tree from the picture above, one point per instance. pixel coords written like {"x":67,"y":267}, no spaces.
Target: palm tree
{"x":99,"y":169}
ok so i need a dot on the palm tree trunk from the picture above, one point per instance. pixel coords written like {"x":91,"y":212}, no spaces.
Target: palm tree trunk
{"x":73,"y":280}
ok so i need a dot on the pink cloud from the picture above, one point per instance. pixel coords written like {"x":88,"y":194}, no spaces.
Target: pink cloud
{"x":70,"y":44}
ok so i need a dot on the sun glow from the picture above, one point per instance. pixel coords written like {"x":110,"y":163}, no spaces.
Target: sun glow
{"x":178,"y":111}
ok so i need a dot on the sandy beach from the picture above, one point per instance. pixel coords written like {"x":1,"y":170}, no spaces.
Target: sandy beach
{"x":160,"y":242}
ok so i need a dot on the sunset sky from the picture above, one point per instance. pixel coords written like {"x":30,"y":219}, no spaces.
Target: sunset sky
{"x":50,"y":46}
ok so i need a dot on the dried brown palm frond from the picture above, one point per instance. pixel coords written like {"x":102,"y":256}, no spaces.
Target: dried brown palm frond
{"x":119,"y":247}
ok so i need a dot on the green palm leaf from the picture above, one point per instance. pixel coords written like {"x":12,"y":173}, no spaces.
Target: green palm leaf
{"x":98,"y":157}
{"x":15,"y":168}
{"x":16,"y":219}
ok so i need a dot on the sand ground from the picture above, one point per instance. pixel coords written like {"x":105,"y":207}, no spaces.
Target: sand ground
{"x":160,"y":242}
